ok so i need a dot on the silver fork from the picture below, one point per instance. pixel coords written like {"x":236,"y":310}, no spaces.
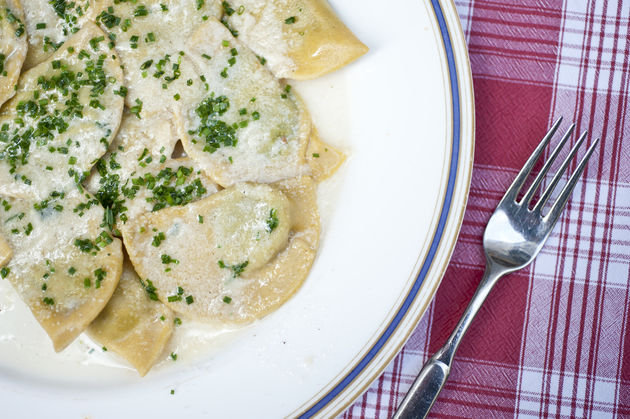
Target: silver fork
{"x":514,"y":235}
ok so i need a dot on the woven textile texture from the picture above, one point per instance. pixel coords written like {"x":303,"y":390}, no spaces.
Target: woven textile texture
{"x":552,"y":340}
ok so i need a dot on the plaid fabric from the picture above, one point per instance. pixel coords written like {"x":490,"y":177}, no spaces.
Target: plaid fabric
{"x":552,"y":340}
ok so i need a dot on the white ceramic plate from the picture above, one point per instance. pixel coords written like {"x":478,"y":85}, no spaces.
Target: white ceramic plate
{"x":405,"y":115}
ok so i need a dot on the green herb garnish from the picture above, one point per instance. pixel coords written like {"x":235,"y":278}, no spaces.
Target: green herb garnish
{"x":158,"y":239}
{"x":272,"y":220}
{"x":237,"y":269}
{"x":150,"y":289}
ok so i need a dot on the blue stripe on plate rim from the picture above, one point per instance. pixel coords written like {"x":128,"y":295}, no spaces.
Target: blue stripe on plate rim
{"x":446,"y":208}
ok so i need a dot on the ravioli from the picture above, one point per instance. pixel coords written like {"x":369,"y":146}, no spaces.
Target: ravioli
{"x":138,"y":175}
{"x":150,"y":37}
{"x":49,"y":23}
{"x":246,"y":125}
{"x":132,"y":324}
{"x":225,"y":233}
{"x":63,"y":118}
{"x":298,"y":39}
{"x":5,"y":252}
{"x":64,"y":266}
{"x":323,"y":159}
{"x":179,"y":55}
{"x":13,"y":46}
{"x":258,"y":241}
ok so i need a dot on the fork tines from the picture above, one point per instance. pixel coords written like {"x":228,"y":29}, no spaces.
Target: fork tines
{"x":558,"y":206}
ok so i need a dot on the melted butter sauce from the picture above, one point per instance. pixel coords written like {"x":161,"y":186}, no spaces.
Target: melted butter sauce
{"x":26,"y":351}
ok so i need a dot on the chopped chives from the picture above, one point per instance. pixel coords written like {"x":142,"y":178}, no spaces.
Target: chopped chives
{"x":140,"y":11}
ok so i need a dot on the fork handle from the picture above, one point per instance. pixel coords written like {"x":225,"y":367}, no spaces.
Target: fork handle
{"x":425,"y":389}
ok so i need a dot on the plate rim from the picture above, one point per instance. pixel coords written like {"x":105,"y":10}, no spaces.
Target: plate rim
{"x":342,"y":394}
{"x":339,"y":393}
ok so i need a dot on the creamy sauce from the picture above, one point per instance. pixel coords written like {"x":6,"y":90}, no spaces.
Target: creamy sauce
{"x":26,"y":350}
{"x":26,"y":346}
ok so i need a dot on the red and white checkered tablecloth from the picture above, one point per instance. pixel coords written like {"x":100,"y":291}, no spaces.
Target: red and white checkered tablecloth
{"x":553,"y":340}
